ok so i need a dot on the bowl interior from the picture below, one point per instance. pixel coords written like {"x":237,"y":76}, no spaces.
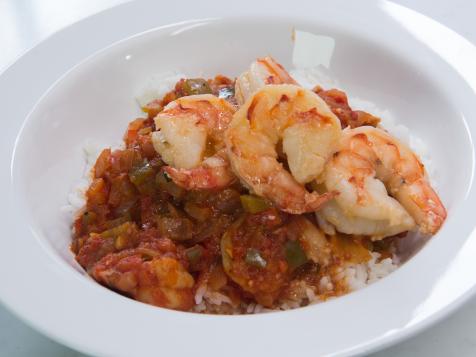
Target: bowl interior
{"x":95,"y":101}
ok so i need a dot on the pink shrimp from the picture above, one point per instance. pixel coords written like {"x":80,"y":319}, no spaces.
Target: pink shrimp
{"x":262,"y":72}
{"x":190,"y":140}
{"x":369,"y":166}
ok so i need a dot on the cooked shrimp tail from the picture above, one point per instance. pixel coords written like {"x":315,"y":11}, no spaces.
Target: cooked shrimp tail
{"x":422,"y":202}
{"x":215,"y":172}
{"x":263,"y":71}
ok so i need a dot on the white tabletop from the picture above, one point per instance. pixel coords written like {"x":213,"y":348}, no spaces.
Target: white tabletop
{"x":23,"y":23}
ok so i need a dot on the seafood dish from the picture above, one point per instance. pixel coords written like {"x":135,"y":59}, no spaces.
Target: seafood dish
{"x":252,"y":194}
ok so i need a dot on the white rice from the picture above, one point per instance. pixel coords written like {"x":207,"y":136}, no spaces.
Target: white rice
{"x":361,"y":275}
{"x":76,"y":198}
{"x":325,"y":284}
{"x":357,"y":276}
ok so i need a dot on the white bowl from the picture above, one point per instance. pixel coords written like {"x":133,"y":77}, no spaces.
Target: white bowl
{"x":400,"y":60}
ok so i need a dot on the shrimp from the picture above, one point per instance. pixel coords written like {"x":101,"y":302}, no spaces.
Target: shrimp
{"x":263,"y":71}
{"x":147,"y":275}
{"x":189,"y":138}
{"x":308,"y":131}
{"x":214,"y":172}
{"x":395,"y":221}
{"x":369,"y":166}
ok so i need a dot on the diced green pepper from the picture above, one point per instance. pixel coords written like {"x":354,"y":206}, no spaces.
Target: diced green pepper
{"x":294,"y":254}
{"x":194,"y":254}
{"x":254,"y":258}
{"x":253,"y":204}
{"x":196,"y":86}
{"x":143,"y":177}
